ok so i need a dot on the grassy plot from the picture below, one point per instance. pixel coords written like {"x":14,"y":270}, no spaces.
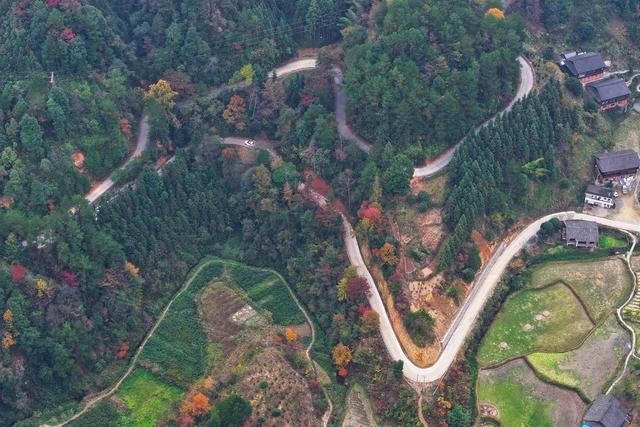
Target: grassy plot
{"x":514,"y":408}
{"x":148,"y":398}
{"x":606,"y":241}
{"x":534,"y":320}
{"x":602,"y":285}
{"x":522,"y":400}
{"x":588,"y":368}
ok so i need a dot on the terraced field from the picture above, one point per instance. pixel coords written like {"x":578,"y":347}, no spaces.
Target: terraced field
{"x":555,"y":341}
{"x":588,"y":368}
{"x":535,"y":320}
{"x":601,"y":285}
{"x":223,"y":322}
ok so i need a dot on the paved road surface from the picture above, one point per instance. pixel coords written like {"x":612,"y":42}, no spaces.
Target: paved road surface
{"x":485,"y":285}
{"x":527,"y":81}
{"x":143,"y":129}
{"x":341,"y":117}
{"x":142,"y":142}
{"x":294,"y":67}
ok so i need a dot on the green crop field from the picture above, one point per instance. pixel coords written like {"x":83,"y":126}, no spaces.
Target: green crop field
{"x":523,"y":400}
{"x":602,"y":285}
{"x":514,"y":402}
{"x":268,"y":292}
{"x":548,"y":320}
{"x":148,"y":398}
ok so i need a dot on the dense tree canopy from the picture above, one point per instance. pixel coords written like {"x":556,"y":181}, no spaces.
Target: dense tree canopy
{"x":435,"y":69}
{"x":494,"y":179}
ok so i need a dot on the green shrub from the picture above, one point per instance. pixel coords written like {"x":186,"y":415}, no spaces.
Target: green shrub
{"x":275,"y":412}
{"x":231,"y":412}
{"x":573,"y":85}
{"x":420,"y":325}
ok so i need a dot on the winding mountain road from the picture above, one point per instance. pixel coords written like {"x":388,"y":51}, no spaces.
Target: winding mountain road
{"x":465,"y":320}
{"x":487,"y":281}
{"x":142,"y":141}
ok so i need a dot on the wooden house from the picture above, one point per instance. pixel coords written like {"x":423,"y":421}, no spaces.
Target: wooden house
{"x":609,"y":93}
{"x":586,"y":66}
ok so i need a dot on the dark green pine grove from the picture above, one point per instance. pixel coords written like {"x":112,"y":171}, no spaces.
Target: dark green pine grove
{"x":433,"y":71}
{"x":491,"y":172}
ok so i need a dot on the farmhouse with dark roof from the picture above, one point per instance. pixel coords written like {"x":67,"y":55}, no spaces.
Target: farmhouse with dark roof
{"x":581,"y":234}
{"x":618,"y":164}
{"x":606,"y":411}
{"x":586,"y":66}
{"x":610,"y":93}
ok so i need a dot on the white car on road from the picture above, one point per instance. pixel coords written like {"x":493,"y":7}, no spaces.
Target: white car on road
{"x":249,"y":142}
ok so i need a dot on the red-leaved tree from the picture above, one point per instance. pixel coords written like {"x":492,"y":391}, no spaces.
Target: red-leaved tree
{"x":125,"y":126}
{"x":123,"y":350}
{"x":357,"y":289}
{"x":370,"y":213}
{"x":68,"y":35}
{"x":70,"y":278}
{"x":18,"y":273}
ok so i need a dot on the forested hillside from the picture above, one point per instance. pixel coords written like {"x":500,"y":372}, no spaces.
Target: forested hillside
{"x":424,"y":96}
{"x":76,"y":294}
{"x":518,"y":150}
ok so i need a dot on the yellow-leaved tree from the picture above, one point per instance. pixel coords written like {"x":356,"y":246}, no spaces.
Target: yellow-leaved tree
{"x":7,"y":316}
{"x":341,"y":355}
{"x":41,"y":287}
{"x":162,"y":93}
{"x":130,"y":268}
{"x":8,"y":341}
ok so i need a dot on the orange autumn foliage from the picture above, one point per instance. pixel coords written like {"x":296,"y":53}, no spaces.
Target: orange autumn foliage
{"x":8,"y":341}
{"x":496,"y":13}
{"x":290,"y":335}
{"x":234,"y":113}
{"x":130,"y":268}
{"x":7,"y":316}
{"x":341,"y":355}
{"x":196,"y":405}
{"x":208,"y":383}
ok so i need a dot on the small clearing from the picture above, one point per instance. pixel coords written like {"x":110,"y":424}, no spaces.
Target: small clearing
{"x":521,"y":399}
